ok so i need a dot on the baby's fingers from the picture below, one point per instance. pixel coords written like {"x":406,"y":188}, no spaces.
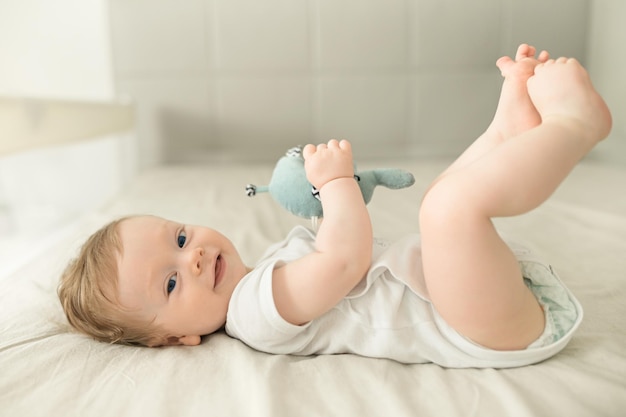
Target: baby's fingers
{"x":311,"y":149}
{"x":339,"y":144}
{"x":333,"y":144}
{"x":308,"y":151}
{"x":345,"y":145}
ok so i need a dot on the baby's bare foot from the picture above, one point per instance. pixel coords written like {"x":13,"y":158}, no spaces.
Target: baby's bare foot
{"x":516,"y":112}
{"x":562,"y":89}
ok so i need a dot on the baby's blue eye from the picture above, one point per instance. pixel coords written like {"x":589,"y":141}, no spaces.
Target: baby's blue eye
{"x":171,"y":284}
{"x":182,"y":238}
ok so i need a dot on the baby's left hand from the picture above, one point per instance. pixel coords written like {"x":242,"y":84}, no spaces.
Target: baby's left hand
{"x":327,"y":162}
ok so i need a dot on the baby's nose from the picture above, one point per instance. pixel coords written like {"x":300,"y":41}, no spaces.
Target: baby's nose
{"x":196,"y":260}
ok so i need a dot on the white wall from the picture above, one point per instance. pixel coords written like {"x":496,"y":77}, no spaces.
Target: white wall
{"x":607,"y":60}
{"x":248,"y":78}
{"x":56,"y":50}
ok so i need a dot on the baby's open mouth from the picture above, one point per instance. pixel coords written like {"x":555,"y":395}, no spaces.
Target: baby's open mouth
{"x":218,"y":270}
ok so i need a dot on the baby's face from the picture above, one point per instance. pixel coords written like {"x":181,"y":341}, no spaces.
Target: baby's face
{"x":180,"y":276}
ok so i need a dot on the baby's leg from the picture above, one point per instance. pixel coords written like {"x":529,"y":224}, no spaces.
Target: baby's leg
{"x":515,"y":112}
{"x":473,"y":278}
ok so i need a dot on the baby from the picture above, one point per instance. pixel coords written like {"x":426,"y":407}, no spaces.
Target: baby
{"x":456,"y":295}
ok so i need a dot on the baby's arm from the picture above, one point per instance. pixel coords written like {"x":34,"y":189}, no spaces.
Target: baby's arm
{"x":310,"y":286}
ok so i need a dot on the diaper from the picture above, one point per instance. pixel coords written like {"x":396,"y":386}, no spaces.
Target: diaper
{"x":563,"y":315}
{"x":560,"y":308}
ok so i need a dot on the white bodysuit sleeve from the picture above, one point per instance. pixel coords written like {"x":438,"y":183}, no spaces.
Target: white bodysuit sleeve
{"x":253,"y":318}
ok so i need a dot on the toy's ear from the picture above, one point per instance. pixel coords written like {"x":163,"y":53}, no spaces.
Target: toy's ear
{"x":394,"y":178}
{"x":387,"y":177}
{"x":252,"y":190}
{"x":295,"y":152}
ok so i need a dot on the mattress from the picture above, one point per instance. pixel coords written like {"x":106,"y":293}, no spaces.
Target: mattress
{"x":48,"y":370}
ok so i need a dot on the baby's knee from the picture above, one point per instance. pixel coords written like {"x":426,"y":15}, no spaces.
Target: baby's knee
{"x":441,"y":204}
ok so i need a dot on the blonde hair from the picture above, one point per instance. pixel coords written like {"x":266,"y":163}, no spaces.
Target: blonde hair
{"x":88,"y":293}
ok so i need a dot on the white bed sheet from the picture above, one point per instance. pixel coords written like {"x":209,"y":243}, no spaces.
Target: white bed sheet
{"x":45,"y":370}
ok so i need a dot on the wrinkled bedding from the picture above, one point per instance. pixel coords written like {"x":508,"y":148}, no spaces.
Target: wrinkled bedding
{"x":47,"y":370}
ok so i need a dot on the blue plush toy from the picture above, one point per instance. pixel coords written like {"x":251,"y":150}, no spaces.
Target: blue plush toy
{"x":291,"y":189}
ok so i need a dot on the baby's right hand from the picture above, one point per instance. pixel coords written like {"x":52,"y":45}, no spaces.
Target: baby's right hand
{"x":327,"y":162}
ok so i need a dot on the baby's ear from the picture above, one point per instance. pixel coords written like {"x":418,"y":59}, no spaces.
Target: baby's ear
{"x":183,"y":340}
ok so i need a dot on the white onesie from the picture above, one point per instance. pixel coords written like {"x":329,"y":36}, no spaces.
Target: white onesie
{"x":388,"y":314}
